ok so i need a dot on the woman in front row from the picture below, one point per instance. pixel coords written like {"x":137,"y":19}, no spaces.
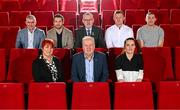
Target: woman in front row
{"x":129,"y":65}
{"x":47,"y":68}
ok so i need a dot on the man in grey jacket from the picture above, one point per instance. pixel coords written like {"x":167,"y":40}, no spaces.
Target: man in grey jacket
{"x":31,"y":36}
{"x":62,"y":36}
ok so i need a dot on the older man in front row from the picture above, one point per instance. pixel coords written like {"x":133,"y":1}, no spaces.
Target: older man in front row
{"x":89,"y":66}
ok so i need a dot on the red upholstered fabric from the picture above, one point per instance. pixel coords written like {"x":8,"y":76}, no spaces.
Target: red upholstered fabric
{"x":128,"y":4}
{"x":18,"y":18}
{"x":11,"y":96}
{"x":64,"y":56}
{"x":47,"y":96}
{"x":135,"y":27}
{"x":29,"y":5}
{"x":4,"y":18}
{"x":48,"y":5}
{"x":175,"y":16}
{"x":137,"y":95}
{"x":169,"y":95}
{"x":168,"y":4}
{"x":2,"y":64}
{"x":107,"y":18}
{"x":44,"y":18}
{"x":8,"y":36}
{"x":137,"y":15}
{"x":90,"y":96}
{"x":172,"y":34}
{"x":108,"y":5}
{"x":113,"y":53}
{"x":20,"y":65}
{"x":157,"y":64}
{"x":68,"y":5}
{"x":177,"y":63}
{"x":10,"y":5}
{"x":69,"y":17}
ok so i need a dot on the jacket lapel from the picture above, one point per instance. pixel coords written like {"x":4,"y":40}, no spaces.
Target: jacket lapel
{"x":35,"y":40}
{"x":26,"y":39}
{"x":82,"y":65}
{"x":95,"y":67}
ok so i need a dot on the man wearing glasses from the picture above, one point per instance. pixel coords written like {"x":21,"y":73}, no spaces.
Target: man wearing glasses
{"x":89,"y":30}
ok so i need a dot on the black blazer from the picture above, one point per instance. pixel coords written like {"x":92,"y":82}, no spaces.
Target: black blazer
{"x":100,"y":67}
{"x":41,"y":73}
{"x":96,"y":33}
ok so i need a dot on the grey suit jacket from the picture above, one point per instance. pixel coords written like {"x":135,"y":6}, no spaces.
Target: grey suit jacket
{"x":22,"y":38}
{"x":67,"y":37}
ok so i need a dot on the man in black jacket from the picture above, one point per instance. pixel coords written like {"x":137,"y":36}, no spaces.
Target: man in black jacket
{"x":89,"y":30}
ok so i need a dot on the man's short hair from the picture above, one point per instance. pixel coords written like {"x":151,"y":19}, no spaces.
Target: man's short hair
{"x":88,"y":14}
{"x":31,"y":17}
{"x":88,"y":38}
{"x":118,"y":12}
{"x":58,"y":16}
{"x":150,"y":13}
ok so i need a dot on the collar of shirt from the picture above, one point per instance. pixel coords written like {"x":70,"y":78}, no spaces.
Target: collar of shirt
{"x":89,"y":29}
{"x":120,"y":26}
{"x":32,"y":31}
{"x":86,"y":57}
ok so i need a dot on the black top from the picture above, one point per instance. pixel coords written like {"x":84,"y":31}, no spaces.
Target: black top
{"x":59,"y":40}
{"x":135,"y":64}
{"x":42,"y":73}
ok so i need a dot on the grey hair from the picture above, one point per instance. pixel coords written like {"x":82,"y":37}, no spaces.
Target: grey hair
{"x":31,"y":17}
{"x":88,"y":38}
{"x":88,"y":13}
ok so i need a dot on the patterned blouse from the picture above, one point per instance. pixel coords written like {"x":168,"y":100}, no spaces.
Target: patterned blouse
{"x":52,"y":67}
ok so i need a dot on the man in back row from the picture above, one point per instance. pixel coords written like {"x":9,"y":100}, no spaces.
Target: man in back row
{"x":31,"y":36}
{"x":150,"y":35}
{"x":89,"y":30}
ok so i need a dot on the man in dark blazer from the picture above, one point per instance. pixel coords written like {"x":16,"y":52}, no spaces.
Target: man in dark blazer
{"x":89,"y":66}
{"x":31,"y":36}
{"x":89,"y":30}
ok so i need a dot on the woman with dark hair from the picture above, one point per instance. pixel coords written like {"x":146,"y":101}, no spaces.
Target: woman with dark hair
{"x":47,"y":68}
{"x":129,"y":65}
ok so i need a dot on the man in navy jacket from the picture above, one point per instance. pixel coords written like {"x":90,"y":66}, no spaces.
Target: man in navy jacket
{"x":89,"y":66}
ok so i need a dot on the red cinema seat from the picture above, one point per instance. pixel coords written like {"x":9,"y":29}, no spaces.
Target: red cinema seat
{"x":4,"y":18}
{"x":69,"y":17}
{"x":136,"y":95}
{"x":172,"y":35}
{"x":44,"y":28}
{"x":162,"y":15}
{"x":108,"y":5}
{"x":88,"y":5}
{"x":44,"y":18}
{"x":48,"y":5}
{"x":128,"y":4}
{"x":175,"y":16}
{"x":169,"y":95}
{"x":68,"y":5}
{"x":148,"y":4}
{"x":157,"y":64}
{"x":47,"y":96}
{"x":64,"y":56}
{"x":177,"y":63}
{"x":2,"y":65}
{"x":29,"y":5}
{"x":135,"y":27}
{"x":135,"y":17}
{"x":168,"y":4}
{"x":90,"y":95}
{"x":20,"y":65}
{"x":107,"y":18}
{"x":18,"y":18}
{"x":11,"y":96}
{"x":113,"y":53}
{"x":8,"y":36}
{"x":10,"y":5}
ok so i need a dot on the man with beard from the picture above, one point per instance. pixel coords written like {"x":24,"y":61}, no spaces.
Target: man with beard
{"x":62,"y":36}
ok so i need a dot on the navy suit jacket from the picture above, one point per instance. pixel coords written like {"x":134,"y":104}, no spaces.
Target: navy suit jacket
{"x":78,"y":73}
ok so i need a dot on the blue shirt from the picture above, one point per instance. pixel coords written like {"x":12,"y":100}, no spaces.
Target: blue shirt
{"x":89,"y":69}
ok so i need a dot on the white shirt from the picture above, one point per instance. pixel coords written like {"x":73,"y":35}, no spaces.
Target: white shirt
{"x":129,"y":76}
{"x":116,"y":36}
{"x":30,"y":38}
{"x":90,"y":29}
